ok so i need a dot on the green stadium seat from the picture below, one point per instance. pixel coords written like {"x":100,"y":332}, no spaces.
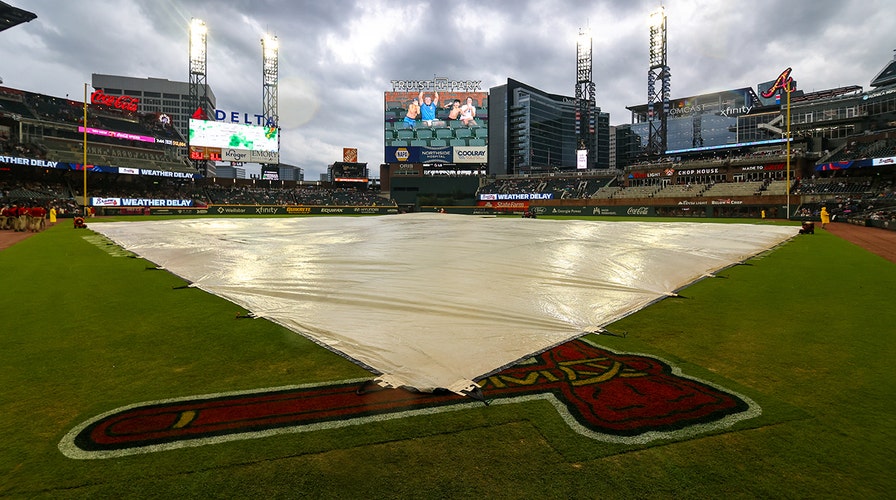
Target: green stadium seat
{"x":462,"y":133}
{"x":424,"y":133}
{"x":458,"y":142}
{"x":438,"y":143}
{"x":406,"y":134}
{"x":477,"y":142}
{"x":444,"y":133}
{"x":419,"y":143}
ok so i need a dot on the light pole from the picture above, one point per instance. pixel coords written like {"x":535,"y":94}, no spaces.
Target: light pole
{"x":785,"y":83}
{"x":788,"y":89}
{"x":84,"y":159}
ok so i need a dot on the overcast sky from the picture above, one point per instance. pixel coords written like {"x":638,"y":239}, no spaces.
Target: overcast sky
{"x":338,"y":57}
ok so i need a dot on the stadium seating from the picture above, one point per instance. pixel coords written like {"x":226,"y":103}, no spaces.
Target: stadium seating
{"x":733,"y":189}
{"x":636,"y":192}
{"x":679,"y":191}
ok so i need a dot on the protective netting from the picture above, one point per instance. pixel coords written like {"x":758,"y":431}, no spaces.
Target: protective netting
{"x":437,"y":300}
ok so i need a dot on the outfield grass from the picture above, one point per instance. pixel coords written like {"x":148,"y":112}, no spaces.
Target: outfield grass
{"x":805,"y":330}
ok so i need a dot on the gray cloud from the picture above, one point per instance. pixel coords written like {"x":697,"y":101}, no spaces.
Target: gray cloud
{"x":338,"y":57}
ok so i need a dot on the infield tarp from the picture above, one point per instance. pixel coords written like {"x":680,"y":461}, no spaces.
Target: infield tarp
{"x":438,"y":300}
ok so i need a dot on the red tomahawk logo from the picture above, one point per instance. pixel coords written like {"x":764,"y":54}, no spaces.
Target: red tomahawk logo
{"x":611,"y":396}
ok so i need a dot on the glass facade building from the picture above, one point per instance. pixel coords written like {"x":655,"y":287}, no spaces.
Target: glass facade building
{"x":534,"y":131}
{"x":701,"y":121}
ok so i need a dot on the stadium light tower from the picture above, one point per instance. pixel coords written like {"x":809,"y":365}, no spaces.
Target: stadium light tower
{"x":198,"y":81}
{"x":657,"y":98}
{"x":270,"y":50}
{"x":585,"y":98}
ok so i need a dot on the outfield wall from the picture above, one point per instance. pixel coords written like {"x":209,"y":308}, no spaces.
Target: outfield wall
{"x":231,"y":210}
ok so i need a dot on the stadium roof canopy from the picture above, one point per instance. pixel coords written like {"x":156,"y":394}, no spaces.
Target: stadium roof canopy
{"x":886,"y":76}
{"x":13,"y":16}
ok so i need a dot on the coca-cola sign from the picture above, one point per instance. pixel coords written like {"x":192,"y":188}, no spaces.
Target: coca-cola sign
{"x":124,"y":102}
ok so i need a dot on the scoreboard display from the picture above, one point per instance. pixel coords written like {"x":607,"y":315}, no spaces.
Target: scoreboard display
{"x":349,"y":172}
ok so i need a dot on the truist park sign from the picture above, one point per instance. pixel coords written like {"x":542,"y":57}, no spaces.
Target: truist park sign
{"x":437,"y":84}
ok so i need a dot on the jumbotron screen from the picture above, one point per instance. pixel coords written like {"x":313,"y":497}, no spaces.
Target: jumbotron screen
{"x":436,"y":127}
{"x":233,"y":142}
{"x":349,"y":172}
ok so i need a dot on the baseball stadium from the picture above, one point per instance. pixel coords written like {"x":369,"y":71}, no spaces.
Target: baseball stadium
{"x":525,"y":303}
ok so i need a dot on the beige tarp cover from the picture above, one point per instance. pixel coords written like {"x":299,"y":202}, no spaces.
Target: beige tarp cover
{"x":438,"y":300}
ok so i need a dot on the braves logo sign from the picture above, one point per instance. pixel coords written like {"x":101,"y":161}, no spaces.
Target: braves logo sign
{"x":783,"y":82}
{"x":607,"y":396}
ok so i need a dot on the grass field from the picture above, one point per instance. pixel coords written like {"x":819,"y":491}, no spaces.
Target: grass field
{"x":806,"y":331}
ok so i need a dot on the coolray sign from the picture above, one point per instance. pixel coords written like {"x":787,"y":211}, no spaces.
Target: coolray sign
{"x":243,"y":118}
{"x":471,"y":154}
{"x":437,"y":84}
{"x":124,"y":102}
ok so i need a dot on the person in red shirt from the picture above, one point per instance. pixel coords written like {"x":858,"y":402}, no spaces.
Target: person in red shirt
{"x":4,"y":218}
{"x":23,"y":222}
{"x":38,"y":218}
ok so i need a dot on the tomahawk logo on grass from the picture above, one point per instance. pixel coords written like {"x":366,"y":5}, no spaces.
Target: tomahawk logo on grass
{"x":619,"y":398}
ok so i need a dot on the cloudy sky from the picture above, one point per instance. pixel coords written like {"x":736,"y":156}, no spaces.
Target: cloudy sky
{"x":338,"y":57}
